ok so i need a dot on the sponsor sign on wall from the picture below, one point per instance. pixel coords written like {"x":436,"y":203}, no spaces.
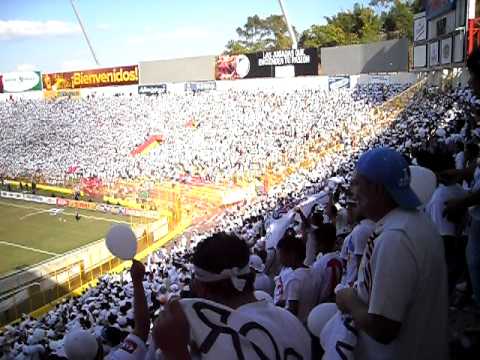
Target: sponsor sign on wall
{"x":200,"y":86}
{"x":436,"y":8}
{"x":265,"y":64}
{"x":446,"y":51}
{"x":338,"y":82}
{"x":81,"y":205}
{"x":21,"y":81}
{"x":122,"y":75}
{"x":11,"y":195}
{"x":152,"y":89}
{"x":62,"y":202}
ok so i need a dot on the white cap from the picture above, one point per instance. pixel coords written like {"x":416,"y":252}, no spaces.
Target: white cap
{"x":256,"y":263}
{"x":80,"y":345}
{"x":262,"y":295}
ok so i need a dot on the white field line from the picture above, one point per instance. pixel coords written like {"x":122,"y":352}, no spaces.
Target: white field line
{"x":28,"y":248}
{"x":33,"y":214}
{"x":63,"y":213}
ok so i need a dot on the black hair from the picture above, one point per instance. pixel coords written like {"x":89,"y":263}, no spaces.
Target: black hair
{"x":472,"y":149}
{"x":223,"y":251}
{"x":473,"y":63}
{"x":325,"y":234}
{"x":291,"y":244}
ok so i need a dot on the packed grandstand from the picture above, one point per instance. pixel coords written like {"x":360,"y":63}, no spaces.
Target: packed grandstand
{"x":272,"y":222}
{"x":234,"y":132}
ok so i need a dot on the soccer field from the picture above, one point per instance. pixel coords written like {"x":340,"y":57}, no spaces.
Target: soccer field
{"x":30,"y":233}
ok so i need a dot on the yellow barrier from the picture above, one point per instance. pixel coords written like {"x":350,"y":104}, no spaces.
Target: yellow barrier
{"x":142,"y":255}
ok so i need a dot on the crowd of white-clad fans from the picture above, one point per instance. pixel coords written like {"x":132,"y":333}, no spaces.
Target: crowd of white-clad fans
{"x":214,"y":135}
{"x":358,"y":258}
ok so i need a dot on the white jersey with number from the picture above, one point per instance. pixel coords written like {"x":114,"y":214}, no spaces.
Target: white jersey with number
{"x":257,"y":330}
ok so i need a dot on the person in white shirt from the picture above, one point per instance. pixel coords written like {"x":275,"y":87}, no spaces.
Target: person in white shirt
{"x":460,"y":156}
{"x":451,"y":227}
{"x":224,"y":319}
{"x":301,"y":289}
{"x":400,"y":303}
{"x":354,"y":245}
{"x":262,"y":281}
{"x":328,"y":266}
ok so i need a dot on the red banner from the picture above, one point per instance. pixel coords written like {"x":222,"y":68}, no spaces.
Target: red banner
{"x":123,"y":75}
{"x":1,"y":84}
{"x":62,"y":202}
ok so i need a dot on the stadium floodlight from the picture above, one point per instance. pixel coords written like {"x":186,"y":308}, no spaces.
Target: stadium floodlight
{"x":75,"y":10}
{"x":289,"y":26}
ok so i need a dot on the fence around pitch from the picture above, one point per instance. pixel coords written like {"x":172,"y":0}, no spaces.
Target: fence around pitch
{"x":45,"y":283}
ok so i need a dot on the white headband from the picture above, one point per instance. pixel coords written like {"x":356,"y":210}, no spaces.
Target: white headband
{"x":232,"y":274}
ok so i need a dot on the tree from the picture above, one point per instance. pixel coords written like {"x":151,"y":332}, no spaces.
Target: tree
{"x":398,"y":21}
{"x":361,"y":25}
{"x":260,"y":34}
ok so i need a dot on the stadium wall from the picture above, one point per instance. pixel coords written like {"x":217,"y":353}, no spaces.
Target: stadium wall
{"x":380,"y":57}
{"x":177,"y":70}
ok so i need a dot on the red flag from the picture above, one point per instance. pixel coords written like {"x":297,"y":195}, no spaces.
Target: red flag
{"x":72,"y":169}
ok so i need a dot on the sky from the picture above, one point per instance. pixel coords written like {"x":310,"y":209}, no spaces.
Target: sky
{"x":44,"y":34}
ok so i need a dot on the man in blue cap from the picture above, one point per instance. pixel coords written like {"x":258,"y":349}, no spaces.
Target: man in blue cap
{"x":399,"y":303}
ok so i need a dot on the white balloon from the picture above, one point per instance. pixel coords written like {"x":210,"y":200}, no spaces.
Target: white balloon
{"x":319,"y":316}
{"x":423,"y":183}
{"x":80,"y":345}
{"x":262,"y":295}
{"x":121,"y":242}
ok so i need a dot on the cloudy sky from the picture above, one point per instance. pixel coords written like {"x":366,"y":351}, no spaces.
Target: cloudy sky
{"x":44,"y":34}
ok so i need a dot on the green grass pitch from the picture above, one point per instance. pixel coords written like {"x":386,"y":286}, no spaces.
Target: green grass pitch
{"x":29,"y":233}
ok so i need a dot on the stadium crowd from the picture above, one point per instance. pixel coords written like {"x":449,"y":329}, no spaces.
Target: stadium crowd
{"x":346,"y":261}
{"x":214,"y":135}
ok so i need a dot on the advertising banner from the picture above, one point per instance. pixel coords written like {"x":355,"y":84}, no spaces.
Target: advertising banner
{"x":40,"y":199}
{"x":122,"y":75}
{"x":81,"y":205}
{"x":264,"y":64}
{"x":436,"y":8}
{"x":11,"y":195}
{"x":112,"y":209}
{"x":152,"y":89}
{"x":62,"y":202}
{"x":200,"y":86}
{"x":338,"y":82}
{"x":15,"y":82}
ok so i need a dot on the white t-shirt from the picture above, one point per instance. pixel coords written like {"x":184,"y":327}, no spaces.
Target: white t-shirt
{"x":460,"y":160}
{"x":436,"y":206}
{"x":264,"y":283}
{"x":280,"y":280}
{"x":132,"y":348}
{"x":219,"y":332}
{"x":353,"y":246}
{"x":342,"y":222}
{"x":302,"y":286}
{"x":310,"y":248}
{"x":327,"y":270}
{"x":409,"y":285}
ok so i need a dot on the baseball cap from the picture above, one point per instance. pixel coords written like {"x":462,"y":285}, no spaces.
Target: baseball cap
{"x":80,"y":345}
{"x":256,"y":263}
{"x":388,"y":167}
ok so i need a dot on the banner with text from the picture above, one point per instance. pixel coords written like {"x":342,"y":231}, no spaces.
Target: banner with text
{"x":152,"y":89}
{"x":20,"y":81}
{"x":338,"y":82}
{"x":196,"y":86}
{"x":122,"y":75}
{"x":266,"y":64}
